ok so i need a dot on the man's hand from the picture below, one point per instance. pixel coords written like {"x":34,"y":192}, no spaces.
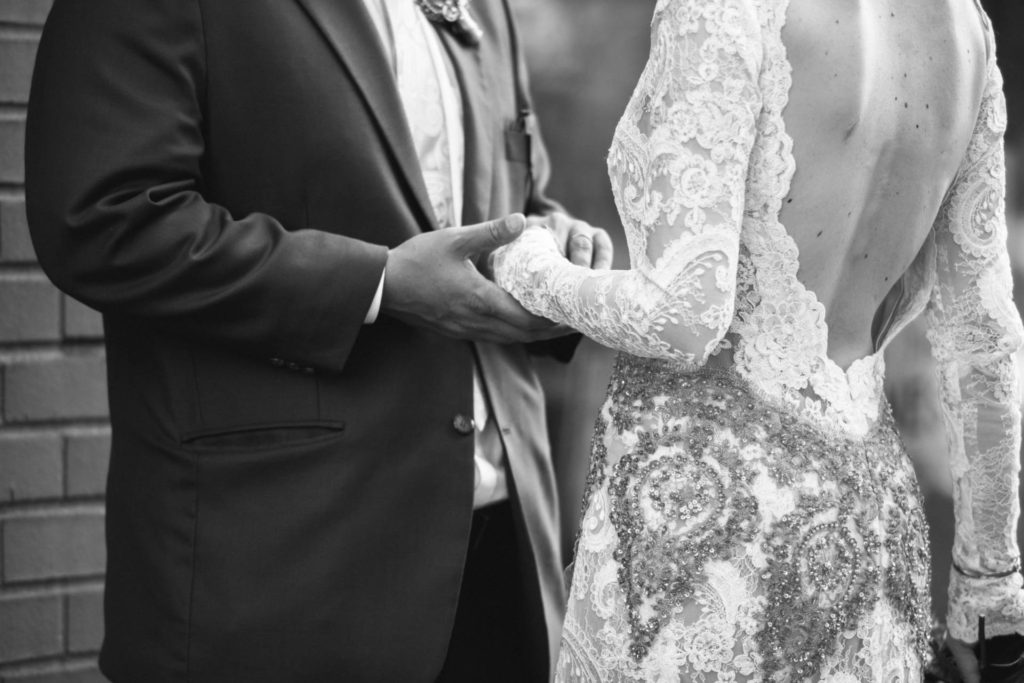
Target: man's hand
{"x":583,"y":244}
{"x":432,"y":282}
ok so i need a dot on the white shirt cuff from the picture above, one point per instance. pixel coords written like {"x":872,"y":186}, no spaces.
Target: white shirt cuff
{"x":371,"y":315}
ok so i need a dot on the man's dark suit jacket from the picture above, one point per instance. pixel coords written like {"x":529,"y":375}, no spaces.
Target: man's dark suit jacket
{"x":290,"y":494}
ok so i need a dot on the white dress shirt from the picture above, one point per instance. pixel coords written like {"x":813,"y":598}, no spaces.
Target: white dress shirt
{"x":433,"y":107}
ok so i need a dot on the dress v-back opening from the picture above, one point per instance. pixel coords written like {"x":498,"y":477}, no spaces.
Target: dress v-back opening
{"x":895,"y":314}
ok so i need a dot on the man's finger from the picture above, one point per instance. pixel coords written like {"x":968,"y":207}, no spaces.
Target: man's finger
{"x":473,"y":240}
{"x":502,"y":306}
{"x":558,"y":330}
{"x":581,"y":248}
{"x":497,"y":330}
{"x":493,"y":335}
{"x":539,"y":221}
{"x":499,"y":333}
{"x":604,"y":250}
{"x":510,"y":335}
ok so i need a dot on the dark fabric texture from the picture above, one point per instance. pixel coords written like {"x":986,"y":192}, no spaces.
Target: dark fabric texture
{"x":492,"y":635}
{"x":288,"y":499}
{"x":1008,"y":21}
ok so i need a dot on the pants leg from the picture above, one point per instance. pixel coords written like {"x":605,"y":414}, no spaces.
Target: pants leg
{"x":489,"y":639}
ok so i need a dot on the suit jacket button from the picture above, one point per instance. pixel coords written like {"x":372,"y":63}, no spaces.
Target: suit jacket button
{"x":277,"y":362}
{"x":464,"y":424}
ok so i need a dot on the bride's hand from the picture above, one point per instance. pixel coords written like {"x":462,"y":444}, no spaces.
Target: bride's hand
{"x":580,"y":242}
{"x":432,"y":282}
{"x":966,"y":660}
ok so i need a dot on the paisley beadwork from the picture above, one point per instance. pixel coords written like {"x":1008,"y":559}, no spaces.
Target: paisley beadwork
{"x":823,"y":574}
{"x":683,"y":495}
{"x":677,"y":500}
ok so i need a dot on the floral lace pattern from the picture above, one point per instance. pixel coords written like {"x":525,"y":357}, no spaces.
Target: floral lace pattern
{"x":678,"y":162}
{"x":711,"y":552}
{"x":974,"y":332}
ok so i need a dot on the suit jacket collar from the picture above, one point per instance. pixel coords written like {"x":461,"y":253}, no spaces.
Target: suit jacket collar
{"x":349,"y":30}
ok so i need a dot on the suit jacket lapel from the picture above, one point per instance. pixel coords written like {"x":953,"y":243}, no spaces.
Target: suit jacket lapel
{"x":349,"y":29}
{"x":477,"y":114}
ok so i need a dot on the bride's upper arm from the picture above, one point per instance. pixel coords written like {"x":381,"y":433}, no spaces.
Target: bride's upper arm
{"x":683,"y":174}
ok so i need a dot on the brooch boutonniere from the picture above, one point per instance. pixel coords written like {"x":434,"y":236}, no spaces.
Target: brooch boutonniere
{"x":453,"y":15}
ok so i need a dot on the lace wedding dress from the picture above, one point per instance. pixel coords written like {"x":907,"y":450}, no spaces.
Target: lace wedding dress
{"x":751,"y":514}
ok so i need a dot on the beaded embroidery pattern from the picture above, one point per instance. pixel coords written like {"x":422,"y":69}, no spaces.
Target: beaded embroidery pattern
{"x":690,"y":491}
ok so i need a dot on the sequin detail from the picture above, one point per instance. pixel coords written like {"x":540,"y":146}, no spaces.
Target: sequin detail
{"x":685,"y":493}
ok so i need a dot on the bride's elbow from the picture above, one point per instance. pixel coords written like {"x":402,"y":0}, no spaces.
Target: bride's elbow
{"x":694,"y":339}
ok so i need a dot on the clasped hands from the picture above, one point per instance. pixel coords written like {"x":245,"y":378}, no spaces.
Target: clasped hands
{"x":439,"y":280}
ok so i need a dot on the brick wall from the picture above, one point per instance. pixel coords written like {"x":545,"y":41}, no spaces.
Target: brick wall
{"x":54,"y":440}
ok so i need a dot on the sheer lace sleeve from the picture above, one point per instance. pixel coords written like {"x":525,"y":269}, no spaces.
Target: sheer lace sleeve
{"x":678,"y":166}
{"x":975,"y":332}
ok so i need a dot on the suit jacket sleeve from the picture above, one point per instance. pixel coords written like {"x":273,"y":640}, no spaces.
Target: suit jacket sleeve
{"x":115,"y":195}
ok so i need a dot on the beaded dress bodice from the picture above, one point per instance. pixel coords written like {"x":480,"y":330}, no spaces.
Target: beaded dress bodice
{"x":695,"y":504}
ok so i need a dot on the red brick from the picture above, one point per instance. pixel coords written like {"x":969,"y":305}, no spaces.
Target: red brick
{"x":30,"y":467}
{"x":85,"y":621}
{"x":29,"y":309}
{"x":18,"y":55}
{"x":29,"y":12}
{"x":15,"y":242}
{"x":55,"y":387}
{"x":78,"y":674}
{"x":80,"y":321}
{"x":30,"y":627}
{"x":88,"y":456}
{"x":53,"y":547}
{"x":12,"y":149}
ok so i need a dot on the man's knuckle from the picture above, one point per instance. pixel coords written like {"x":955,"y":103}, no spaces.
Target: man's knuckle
{"x":482,"y":304}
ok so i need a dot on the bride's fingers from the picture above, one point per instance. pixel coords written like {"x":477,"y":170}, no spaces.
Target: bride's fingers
{"x":581,"y":248}
{"x":604,"y":250}
{"x":590,"y":247}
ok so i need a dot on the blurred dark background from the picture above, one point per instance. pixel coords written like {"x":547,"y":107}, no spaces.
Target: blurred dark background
{"x":585,"y":57}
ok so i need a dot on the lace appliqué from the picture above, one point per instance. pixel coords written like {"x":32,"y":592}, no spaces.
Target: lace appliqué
{"x":678,"y":163}
{"x":782,"y":333}
{"x":975,"y":331}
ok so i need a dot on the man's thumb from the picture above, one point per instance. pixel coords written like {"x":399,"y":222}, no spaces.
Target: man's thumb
{"x":478,"y":239}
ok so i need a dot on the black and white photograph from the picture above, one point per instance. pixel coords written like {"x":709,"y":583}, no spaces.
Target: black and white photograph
{"x":511,"y":341}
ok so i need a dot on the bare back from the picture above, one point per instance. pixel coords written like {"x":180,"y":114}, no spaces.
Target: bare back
{"x":884,"y":100}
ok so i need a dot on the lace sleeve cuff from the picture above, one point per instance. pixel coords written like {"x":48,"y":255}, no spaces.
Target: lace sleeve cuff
{"x":999,"y":600}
